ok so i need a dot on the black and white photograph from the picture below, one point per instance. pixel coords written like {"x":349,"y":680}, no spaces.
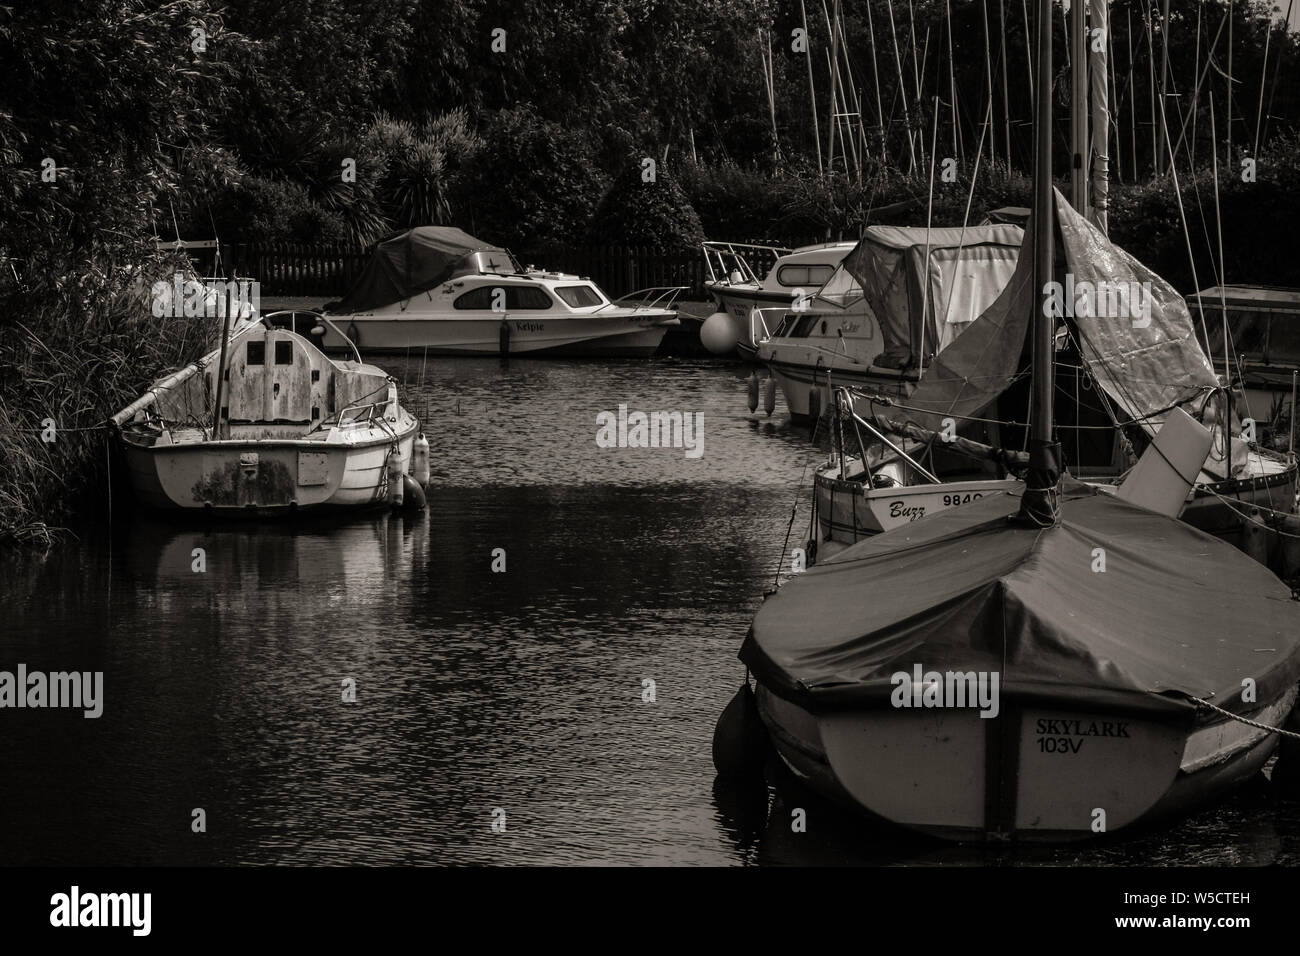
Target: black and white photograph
{"x":649,"y":435}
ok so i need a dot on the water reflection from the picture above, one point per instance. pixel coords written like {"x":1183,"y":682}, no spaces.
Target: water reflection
{"x":474,"y":690}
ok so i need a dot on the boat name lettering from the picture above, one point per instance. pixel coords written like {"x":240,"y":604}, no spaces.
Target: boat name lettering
{"x":1082,"y":728}
{"x":961,"y":499}
{"x":898,"y":509}
{"x":531,"y":326}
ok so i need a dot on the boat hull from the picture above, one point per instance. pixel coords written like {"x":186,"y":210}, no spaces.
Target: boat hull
{"x":265,"y":477}
{"x":848,"y":510}
{"x":636,"y":334}
{"x":1209,"y":511}
{"x":739,"y":303}
{"x":807,"y":386}
{"x":1032,"y":773}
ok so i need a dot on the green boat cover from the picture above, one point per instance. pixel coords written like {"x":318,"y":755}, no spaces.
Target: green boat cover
{"x":1176,"y":614}
{"x":414,"y":261}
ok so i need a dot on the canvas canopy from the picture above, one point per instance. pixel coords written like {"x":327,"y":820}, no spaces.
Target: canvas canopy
{"x":925,"y":285}
{"x":1177,"y":614}
{"x":1147,"y":359}
{"x":410,"y":262}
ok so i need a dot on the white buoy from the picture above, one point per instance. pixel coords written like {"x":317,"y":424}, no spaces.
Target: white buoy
{"x":395,"y":485}
{"x":718,"y":333}
{"x":420,"y":460}
{"x":753,"y":393}
{"x":769,"y":395}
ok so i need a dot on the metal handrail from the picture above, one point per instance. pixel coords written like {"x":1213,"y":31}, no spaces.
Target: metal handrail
{"x":720,"y":249}
{"x":319,"y":317}
{"x":369,"y":409}
{"x":667,"y":296}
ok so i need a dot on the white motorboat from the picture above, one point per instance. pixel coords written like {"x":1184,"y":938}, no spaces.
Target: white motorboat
{"x":740,"y":294}
{"x":440,"y":291}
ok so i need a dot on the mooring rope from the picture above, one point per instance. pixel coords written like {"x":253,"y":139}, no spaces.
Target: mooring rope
{"x":1245,"y":720}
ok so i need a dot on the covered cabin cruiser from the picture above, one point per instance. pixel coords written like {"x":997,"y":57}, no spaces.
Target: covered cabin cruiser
{"x":900,"y":296}
{"x":740,"y":295}
{"x":441,"y":291}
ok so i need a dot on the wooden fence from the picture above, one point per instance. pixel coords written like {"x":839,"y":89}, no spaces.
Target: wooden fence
{"x":328,"y":271}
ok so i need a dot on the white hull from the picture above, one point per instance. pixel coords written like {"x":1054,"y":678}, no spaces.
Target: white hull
{"x":265,"y":477}
{"x":807,"y":385}
{"x":848,"y":511}
{"x":632,"y":334}
{"x":941,"y":771}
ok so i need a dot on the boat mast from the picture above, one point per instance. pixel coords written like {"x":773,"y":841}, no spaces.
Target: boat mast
{"x":1099,"y":74}
{"x":1039,"y":502}
{"x":221,"y":370}
{"x":1078,"y":107}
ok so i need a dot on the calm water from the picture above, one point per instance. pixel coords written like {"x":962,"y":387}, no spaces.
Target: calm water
{"x":475,"y":690}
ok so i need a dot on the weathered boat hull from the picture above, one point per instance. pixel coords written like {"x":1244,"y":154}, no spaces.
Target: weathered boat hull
{"x":1032,"y":773}
{"x":260,"y":478}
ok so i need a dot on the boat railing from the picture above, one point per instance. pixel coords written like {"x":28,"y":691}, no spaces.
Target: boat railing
{"x":368,"y":410}
{"x":729,"y":257}
{"x":317,"y":317}
{"x":655,"y":297}
{"x":844,"y":400}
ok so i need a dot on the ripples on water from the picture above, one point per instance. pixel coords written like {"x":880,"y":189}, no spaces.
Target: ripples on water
{"x":474,"y":690}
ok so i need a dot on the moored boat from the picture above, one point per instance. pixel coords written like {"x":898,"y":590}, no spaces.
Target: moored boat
{"x":1103,"y":679}
{"x":285,"y":429}
{"x":741,"y":295}
{"x":901,"y":295}
{"x":1044,"y":664}
{"x":441,"y":291}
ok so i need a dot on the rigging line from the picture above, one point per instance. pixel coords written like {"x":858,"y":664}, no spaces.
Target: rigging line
{"x":970,"y":197}
{"x":1182,"y":214}
{"x":1233,"y":504}
{"x":799,"y":489}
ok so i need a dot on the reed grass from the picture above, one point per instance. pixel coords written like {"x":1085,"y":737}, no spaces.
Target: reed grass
{"x":72,"y":355}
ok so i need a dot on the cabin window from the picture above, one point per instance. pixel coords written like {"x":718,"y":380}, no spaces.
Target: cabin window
{"x":528,"y":297}
{"x":1249,"y":333}
{"x":283,"y":353}
{"x":578,"y":296}
{"x":795,"y":276}
{"x":804,"y":326}
{"x":1284,"y":338}
{"x":256,"y":354}
{"x":516,"y":298}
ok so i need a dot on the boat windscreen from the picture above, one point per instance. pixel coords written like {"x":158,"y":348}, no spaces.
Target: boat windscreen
{"x":841,"y":289}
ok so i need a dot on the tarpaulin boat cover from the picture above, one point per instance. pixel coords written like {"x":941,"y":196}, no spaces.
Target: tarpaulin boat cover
{"x":1177,"y":613}
{"x":1146,"y":366}
{"x":925,"y":285}
{"x":408,"y":263}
